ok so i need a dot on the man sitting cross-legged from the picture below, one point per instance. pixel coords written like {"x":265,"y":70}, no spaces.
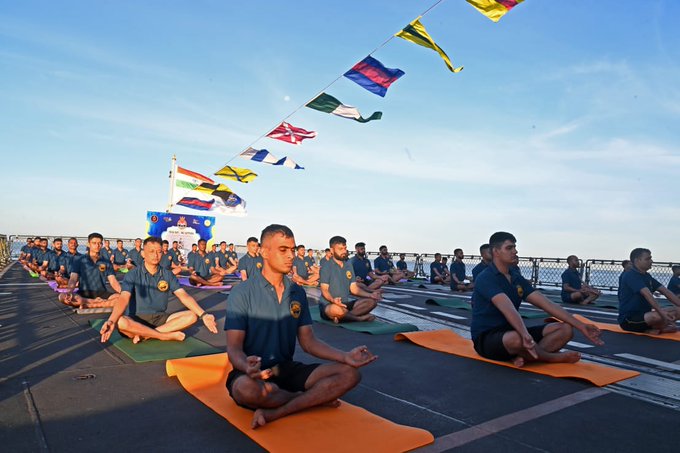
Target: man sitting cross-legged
{"x":265,"y":315}
{"x":223,"y":265}
{"x":140,"y":311}
{"x":574,"y":291}
{"x":385,"y":267}
{"x":201,"y":275}
{"x":638,"y":310}
{"x":497,"y":329}
{"x":91,"y":272}
{"x":338,"y":283}
{"x":302,"y":274}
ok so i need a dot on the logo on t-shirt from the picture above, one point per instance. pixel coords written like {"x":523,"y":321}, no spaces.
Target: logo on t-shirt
{"x":520,"y":291}
{"x":162,"y":286}
{"x":368,"y":264}
{"x":170,"y":257}
{"x":349,"y":275}
{"x":295,"y":309}
{"x":259,"y":265}
{"x":124,"y":253}
{"x":102,"y":267}
{"x":207,"y":261}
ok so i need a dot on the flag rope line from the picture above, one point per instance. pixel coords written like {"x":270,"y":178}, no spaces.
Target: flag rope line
{"x":322,"y":90}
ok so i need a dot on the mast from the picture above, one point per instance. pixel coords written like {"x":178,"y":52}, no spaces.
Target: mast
{"x":173,"y":170}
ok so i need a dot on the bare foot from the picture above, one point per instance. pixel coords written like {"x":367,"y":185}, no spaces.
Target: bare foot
{"x":176,"y":336}
{"x":518,"y":361}
{"x":563,"y":357}
{"x":259,"y":419}
{"x":367,"y":317}
{"x":669,"y":329}
{"x":333,"y":404}
{"x":336,"y":320}
{"x":136,"y":339}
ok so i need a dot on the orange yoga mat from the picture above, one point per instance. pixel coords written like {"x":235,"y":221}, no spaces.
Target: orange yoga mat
{"x":308,"y":431}
{"x":616,"y":328}
{"x":452,"y":343}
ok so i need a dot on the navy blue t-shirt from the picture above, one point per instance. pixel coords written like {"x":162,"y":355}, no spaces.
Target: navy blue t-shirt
{"x":270,"y":326}
{"x":135,"y":257}
{"x":202,"y":264}
{"x":300,"y":267}
{"x":674,"y":285}
{"x":491,"y":282}
{"x":573,"y":278}
{"x":436,"y":265}
{"x":166,"y":261}
{"x":120,"y":256}
{"x":251,"y":264}
{"x":478,"y":269}
{"x":383,"y":264}
{"x":401,"y":265}
{"x":360,"y":266}
{"x":92,"y":275}
{"x":458,"y":269}
{"x":630,"y":300}
{"x":149,"y":293}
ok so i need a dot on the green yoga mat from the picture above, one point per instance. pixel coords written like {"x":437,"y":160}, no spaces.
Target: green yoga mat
{"x":372,"y":327}
{"x":155,"y":350}
{"x":451,"y":303}
{"x":604,"y":304}
{"x":465,"y":305}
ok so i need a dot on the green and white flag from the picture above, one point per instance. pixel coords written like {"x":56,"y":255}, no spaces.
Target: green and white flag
{"x":327,"y":103}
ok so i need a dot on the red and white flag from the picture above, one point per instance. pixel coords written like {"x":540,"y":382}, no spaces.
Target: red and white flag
{"x":291,"y":134}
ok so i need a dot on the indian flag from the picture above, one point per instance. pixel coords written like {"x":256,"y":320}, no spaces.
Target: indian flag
{"x":327,"y":103}
{"x":189,"y":180}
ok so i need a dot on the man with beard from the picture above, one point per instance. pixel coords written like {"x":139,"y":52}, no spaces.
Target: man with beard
{"x":338,"y":284}
{"x":384,"y":266}
{"x":363,"y":271}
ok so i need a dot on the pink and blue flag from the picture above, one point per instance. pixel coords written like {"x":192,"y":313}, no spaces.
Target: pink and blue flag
{"x":372,"y":75}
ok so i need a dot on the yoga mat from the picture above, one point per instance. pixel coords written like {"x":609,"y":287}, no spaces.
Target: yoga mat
{"x":451,"y":343}
{"x":184,"y":281}
{"x":93,"y":311}
{"x":52,"y":284}
{"x":675,"y":336}
{"x":154,"y":350}
{"x":307,"y":431}
{"x":602,"y":304}
{"x":372,"y":327}
{"x":123,"y":270}
{"x":465,"y":305}
{"x":450,"y":303}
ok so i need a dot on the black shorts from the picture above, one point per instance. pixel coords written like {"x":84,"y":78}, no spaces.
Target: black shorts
{"x":290,"y":376}
{"x":635,"y":322}
{"x":322,"y":307}
{"x":490,"y":343}
{"x":152,"y":320}
{"x":94,"y":294}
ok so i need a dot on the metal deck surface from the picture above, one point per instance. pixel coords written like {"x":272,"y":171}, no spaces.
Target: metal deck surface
{"x":62,"y":390}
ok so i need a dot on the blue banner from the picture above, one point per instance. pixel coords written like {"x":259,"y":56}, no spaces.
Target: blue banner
{"x":183,"y":228}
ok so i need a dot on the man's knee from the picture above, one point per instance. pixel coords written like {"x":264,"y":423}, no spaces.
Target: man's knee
{"x":123,"y":323}
{"x":564,"y":330}
{"x":249,"y":392}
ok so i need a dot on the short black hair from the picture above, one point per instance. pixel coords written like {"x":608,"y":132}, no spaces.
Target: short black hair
{"x":252,"y":239}
{"x":230,"y":244}
{"x":327,"y":250}
{"x":437,"y":255}
{"x":223,"y":242}
{"x":625,"y":263}
{"x":139,"y":239}
{"x":165,"y":241}
{"x":119,"y":240}
{"x":382,"y":247}
{"x":93,"y":236}
{"x":457,"y":250}
{"x":675,"y":267}
{"x":337,"y":240}
{"x":638,"y":252}
{"x":273,"y":229}
{"x":57,"y":240}
{"x":360,"y":244}
{"x":300,"y":246}
{"x":402,"y":255}
{"x":194,"y":245}
{"x":153,"y":240}
{"x":174,"y":242}
{"x":484,"y":247}
{"x":498,"y":238}
{"x":202,"y":240}
{"x":570,"y":257}
{"x":73,"y":239}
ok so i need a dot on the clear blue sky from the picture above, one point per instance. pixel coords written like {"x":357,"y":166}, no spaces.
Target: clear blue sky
{"x":562,"y":128}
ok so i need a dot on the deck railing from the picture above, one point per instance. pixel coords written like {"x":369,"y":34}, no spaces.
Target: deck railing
{"x":541,"y":271}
